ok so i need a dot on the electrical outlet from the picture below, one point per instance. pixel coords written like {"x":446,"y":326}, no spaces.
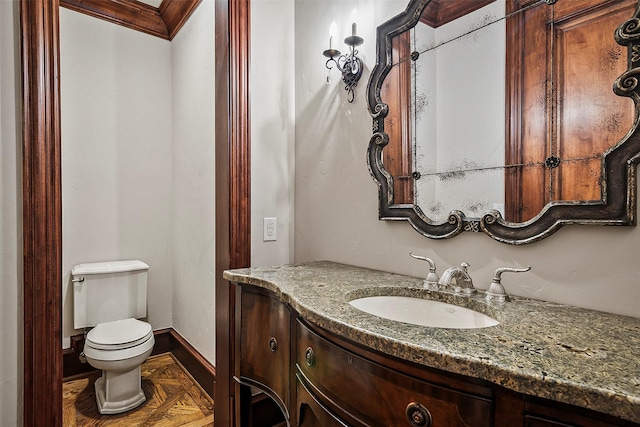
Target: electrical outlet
{"x":269,"y":229}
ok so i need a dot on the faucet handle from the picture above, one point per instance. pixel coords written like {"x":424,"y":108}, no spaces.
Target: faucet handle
{"x":496,"y":291}
{"x":431,"y":281}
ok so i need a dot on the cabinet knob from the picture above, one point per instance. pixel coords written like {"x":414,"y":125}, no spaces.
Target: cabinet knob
{"x":418,"y":415}
{"x":273,"y":344}
{"x":310,"y":356}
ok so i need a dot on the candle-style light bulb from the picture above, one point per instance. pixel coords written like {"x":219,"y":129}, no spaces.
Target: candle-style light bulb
{"x":354,"y":20}
{"x":333,"y":28}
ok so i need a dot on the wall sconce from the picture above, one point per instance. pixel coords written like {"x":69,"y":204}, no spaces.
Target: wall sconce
{"x":348,"y":64}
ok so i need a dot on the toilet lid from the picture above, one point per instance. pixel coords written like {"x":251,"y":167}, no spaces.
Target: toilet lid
{"x":119,"y":334}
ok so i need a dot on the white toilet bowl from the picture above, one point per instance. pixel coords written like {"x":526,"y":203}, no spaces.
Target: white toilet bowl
{"x":118,"y":348}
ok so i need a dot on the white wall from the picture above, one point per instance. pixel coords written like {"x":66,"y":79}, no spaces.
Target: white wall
{"x":193,"y":182}
{"x":272,"y":128}
{"x":10,"y":219}
{"x":138,"y":162}
{"x":336,"y":199}
{"x":116,"y":154}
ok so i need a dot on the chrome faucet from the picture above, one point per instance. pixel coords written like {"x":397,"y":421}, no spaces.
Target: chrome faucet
{"x":458,"y":279}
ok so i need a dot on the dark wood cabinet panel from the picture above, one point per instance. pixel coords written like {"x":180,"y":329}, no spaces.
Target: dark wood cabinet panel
{"x":265,"y":344}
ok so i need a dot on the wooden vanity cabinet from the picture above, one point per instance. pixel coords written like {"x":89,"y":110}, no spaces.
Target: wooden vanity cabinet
{"x":319,"y":379}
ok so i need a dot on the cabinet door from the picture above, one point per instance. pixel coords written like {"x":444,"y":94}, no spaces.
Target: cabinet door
{"x":265,"y":345}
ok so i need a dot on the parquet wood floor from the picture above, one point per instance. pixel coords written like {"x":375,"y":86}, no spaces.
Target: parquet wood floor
{"x":174,"y":398}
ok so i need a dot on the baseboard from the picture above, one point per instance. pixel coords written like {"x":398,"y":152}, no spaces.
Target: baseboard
{"x":167,"y":341}
{"x":71,"y":364}
{"x":194,"y":362}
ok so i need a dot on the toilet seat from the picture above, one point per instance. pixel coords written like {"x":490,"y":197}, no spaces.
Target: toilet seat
{"x":118,"y":340}
{"x":118,"y":334}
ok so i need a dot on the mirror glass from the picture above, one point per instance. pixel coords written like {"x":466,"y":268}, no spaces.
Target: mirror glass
{"x":502,"y":107}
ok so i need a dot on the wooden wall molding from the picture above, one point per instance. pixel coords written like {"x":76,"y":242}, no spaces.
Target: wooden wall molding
{"x":197,"y":365}
{"x":175,"y":14}
{"x":164,"y":21}
{"x":42,"y":203}
{"x":233,"y":238}
{"x":41,"y":214}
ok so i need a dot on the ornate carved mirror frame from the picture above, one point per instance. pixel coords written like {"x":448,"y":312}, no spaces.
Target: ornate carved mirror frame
{"x":618,"y":186}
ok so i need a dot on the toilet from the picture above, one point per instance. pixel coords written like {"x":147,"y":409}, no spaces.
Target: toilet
{"x":109,"y":298}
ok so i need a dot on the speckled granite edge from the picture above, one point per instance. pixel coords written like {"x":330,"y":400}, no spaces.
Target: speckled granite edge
{"x":581,"y":357}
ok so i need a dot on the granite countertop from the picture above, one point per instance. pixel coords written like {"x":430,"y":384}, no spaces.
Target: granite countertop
{"x":582,"y":357}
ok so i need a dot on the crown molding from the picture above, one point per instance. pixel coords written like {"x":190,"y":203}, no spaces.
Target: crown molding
{"x":164,"y":21}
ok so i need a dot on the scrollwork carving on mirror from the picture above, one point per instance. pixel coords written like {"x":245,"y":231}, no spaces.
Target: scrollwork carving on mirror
{"x":565,"y":151}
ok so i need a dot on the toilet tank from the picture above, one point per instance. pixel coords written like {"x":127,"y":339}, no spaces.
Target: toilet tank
{"x":108,"y":291}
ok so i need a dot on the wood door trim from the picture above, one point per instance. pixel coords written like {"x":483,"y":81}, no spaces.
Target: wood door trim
{"x":42,"y":203}
{"x":41,"y":214}
{"x":233,"y":215}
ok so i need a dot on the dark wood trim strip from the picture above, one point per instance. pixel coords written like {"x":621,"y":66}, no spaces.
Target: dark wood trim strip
{"x":42,"y":214}
{"x":194,"y":362}
{"x":128,"y":13}
{"x":168,"y":340}
{"x":222,"y":387}
{"x":71,"y":364}
{"x":240,"y":150}
{"x":232,"y":183}
{"x":175,"y":14}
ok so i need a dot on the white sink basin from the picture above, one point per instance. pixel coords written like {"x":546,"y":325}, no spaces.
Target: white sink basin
{"x":423,"y":312}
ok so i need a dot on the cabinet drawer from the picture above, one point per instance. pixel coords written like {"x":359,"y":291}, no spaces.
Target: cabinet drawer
{"x":265,"y":332}
{"x":379,"y":396}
